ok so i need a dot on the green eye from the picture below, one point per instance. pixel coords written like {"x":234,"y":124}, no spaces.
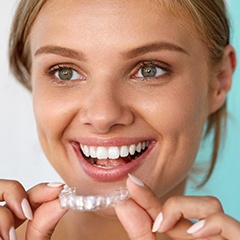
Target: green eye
{"x":149,"y":71}
{"x":67,"y":74}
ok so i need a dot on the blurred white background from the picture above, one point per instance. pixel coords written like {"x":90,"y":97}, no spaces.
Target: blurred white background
{"x":21,"y":157}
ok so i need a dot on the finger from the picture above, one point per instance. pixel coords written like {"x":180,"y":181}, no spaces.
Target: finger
{"x":143,"y":196}
{"x":218,"y":224}
{"x":45,"y":220}
{"x":43,"y":192}
{"x":148,"y":201}
{"x":6,"y":224}
{"x":13,"y":193}
{"x":47,"y":211}
{"x":180,"y":207}
{"x":135,"y":220}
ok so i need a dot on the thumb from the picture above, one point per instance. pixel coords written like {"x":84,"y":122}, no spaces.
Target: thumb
{"x":47,"y":211}
{"x":135,"y":221}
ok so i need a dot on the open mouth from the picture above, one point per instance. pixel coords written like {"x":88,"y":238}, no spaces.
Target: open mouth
{"x":113,"y":156}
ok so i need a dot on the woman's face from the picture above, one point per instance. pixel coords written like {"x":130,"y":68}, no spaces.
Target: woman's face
{"x":123,"y":81}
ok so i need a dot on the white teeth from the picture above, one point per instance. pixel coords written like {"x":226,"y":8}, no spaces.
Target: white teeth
{"x":112,"y":152}
{"x":86,"y":151}
{"x":132,"y":149}
{"x":139,"y":148}
{"x":102,"y":153}
{"x":93,"y":153}
{"x":124,"y":151}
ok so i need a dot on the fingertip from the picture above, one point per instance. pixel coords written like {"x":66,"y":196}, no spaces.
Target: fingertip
{"x":135,"y":180}
{"x":196,"y":227}
{"x":44,"y":192}
{"x":161,"y":225}
{"x":27,"y":209}
{"x":157,"y":223}
{"x":55,"y":184}
{"x":13,"y":193}
{"x":12,"y":234}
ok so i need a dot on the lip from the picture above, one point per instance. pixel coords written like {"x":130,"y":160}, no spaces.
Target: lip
{"x":113,"y":174}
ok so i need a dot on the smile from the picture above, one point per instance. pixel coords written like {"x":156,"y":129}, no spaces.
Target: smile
{"x":113,"y":156}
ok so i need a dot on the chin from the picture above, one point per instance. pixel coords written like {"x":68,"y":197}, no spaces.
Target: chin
{"x":107,"y":213}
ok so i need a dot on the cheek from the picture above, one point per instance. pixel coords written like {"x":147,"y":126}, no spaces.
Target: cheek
{"x":178,"y":112}
{"x":52,"y":108}
{"x":49,"y":116}
{"x":53,"y":114}
{"x":52,"y":118}
{"x":178,"y":116}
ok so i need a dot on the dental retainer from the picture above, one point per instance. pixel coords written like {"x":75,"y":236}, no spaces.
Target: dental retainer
{"x":69,"y":200}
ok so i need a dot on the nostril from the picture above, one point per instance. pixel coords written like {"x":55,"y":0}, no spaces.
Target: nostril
{"x":104,"y":118}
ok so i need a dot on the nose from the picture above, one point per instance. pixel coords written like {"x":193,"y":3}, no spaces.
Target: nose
{"x":104,"y":108}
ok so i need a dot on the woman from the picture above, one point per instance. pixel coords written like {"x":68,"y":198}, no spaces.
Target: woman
{"x":121,"y":90}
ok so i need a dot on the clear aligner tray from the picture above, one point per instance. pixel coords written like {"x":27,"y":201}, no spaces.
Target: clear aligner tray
{"x":69,"y":200}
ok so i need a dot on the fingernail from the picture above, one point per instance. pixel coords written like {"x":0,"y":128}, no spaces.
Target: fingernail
{"x":27,"y":209}
{"x":157,"y":223}
{"x":55,"y":184}
{"x":196,"y":227}
{"x":12,"y":234}
{"x":136,"y":180}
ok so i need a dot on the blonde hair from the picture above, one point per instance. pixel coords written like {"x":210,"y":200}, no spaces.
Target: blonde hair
{"x":209,"y":18}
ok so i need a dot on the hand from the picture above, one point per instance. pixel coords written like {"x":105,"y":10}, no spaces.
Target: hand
{"x":40,"y":205}
{"x":214,"y":224}
{"x":138,"y":214}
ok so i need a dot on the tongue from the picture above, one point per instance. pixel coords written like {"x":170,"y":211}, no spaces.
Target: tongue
{"x":110,"y":163}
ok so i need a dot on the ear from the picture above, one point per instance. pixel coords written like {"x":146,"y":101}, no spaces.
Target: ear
{"x":222,"y":80}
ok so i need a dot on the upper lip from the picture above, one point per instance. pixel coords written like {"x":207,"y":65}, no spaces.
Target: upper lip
{"x":108,"y":142}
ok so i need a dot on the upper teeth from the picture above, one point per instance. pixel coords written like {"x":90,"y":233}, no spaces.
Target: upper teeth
{"x":112,"y":152}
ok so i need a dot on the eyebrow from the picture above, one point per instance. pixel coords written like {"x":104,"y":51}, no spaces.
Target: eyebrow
{"x":152,"y":47}
{"x":61,"y":51}
{"x":71,"y":53}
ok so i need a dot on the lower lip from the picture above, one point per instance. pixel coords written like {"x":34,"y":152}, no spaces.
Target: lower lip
{"x":113,"y":174}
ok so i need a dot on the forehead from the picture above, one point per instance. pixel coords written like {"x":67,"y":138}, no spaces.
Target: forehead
{"x":128,"y":8}
{"x":109,"y":22}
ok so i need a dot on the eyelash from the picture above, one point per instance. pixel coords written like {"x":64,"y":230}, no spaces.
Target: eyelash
{"x":165,"y":68}
{"x":57,"y":68}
